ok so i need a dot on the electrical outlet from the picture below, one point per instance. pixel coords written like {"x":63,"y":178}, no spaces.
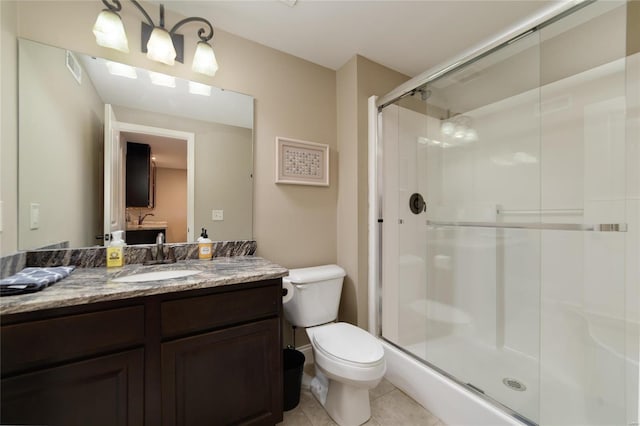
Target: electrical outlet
{"x":34,"y":216}
{"x":217,"y":215}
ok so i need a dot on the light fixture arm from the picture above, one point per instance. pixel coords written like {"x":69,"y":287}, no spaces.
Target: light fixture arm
{"x":145,"y":14}
{"x":201,"y":31}
{"x":117,"y":7}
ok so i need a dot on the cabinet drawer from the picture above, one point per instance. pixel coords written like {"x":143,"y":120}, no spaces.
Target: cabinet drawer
{"x":39,"y":343}
{"x":200,"y":313}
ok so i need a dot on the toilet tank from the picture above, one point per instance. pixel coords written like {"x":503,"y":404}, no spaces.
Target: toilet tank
{"x":316,"y":295}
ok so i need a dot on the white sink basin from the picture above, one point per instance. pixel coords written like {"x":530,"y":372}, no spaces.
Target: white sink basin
{"x":156,"y":276}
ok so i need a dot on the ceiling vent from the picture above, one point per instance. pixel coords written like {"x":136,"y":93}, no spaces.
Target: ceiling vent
{"x":74,"y":66}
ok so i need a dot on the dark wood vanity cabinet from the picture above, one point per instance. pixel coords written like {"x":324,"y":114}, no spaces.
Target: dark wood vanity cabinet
{"x":201,"y":357}
{"x":226,"y":375}
{"x":144,"y":236}
{"x":105,"y":390}
{"x":78,"y":369}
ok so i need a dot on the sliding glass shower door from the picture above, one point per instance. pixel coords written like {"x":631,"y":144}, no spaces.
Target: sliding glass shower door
{"x":507,"y":205}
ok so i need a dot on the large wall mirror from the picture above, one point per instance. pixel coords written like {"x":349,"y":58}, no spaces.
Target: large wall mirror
{"x":200,"y":141}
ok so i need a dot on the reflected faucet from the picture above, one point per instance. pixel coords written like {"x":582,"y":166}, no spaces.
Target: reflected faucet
{"x":141,"y":218}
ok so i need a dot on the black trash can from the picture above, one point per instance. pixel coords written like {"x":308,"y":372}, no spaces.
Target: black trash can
{"x":293,"y":361}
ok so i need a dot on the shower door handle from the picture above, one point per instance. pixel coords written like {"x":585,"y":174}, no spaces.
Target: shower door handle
{"x":417,"y":203}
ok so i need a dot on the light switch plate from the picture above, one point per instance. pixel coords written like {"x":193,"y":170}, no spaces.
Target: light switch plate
{"x":217,"y":215}
{"x":34,"y":216}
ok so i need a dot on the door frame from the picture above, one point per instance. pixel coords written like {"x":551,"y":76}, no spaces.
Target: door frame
{"x":175,"y":134}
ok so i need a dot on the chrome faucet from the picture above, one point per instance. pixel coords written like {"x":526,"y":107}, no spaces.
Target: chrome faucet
{"x":160,"y":247}
{"x":160,"y":257}
{"x":141,"y":218}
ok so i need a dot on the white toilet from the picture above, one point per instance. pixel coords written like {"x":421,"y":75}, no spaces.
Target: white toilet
{"x":349,"y":361}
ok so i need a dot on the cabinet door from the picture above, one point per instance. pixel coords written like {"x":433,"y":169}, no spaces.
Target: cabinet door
{"x":231,"y":376}
{"x":138,"y":175}
{"x":101,"y":391}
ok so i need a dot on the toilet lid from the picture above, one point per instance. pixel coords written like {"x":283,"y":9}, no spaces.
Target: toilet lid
{"x":349,"y":343}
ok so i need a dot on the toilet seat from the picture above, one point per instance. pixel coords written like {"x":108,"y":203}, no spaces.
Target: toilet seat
{"x":349,"y":344}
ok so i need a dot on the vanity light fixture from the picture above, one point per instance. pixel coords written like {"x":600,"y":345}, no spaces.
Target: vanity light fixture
{"x":160,"y":44}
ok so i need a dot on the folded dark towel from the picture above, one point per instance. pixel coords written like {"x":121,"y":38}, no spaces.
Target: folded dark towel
{"x":33,"y":279}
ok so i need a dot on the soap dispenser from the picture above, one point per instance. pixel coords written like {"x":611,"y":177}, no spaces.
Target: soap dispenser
{"x":115,"y":250}
{"x":205,"y":246}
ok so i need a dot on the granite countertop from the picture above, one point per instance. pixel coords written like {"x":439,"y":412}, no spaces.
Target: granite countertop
{"x":90,"y":285}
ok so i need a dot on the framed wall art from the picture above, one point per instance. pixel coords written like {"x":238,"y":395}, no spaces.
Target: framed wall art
{"x":301,"y":162}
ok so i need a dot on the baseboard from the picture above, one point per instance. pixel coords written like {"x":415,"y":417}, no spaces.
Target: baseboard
{"x":307,"y":351}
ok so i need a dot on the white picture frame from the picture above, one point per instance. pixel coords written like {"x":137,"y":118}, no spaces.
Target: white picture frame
{"x":301,"y":162}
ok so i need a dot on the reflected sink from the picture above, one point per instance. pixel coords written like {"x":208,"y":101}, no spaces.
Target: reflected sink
{"x":156,"y":276}
{"x":147,"y":224}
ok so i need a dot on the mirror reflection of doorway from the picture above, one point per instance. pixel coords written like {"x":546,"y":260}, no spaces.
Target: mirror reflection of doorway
{"x":167,"y":210}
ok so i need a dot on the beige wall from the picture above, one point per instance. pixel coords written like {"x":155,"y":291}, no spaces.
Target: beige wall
{"x":8,"y":128}
{"x":293,"y":225}
{"x":221,"y":184}
{"x":347,"y":226}
{"x":171,"y":202}
{"x":61,"y":135}
{"x":357,"y":80}
{"x":633,"y":27}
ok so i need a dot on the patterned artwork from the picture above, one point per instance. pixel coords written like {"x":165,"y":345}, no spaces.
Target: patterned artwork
{"x":303,"y":163}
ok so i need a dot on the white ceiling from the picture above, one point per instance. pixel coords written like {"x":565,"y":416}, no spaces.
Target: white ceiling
{"x":221,"y":106}
{"x":408,"y":36}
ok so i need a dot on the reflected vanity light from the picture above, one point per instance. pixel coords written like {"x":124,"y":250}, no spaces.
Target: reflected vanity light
{"x":459,"y":128}
{"x":199,"y":89}
{"x":513,"y":159}
{"x":160,"y":44}
{"x":164,"y":80}
{"x":432,"y":142}
{"x":121,"y":70}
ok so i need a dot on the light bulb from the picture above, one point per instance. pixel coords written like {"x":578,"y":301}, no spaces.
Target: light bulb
{"x":109,"y":31}
{"x":160,"y":47}
{"x":204,"y":60}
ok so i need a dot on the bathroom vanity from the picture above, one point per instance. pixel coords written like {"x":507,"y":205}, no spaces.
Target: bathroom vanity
{"x":203,"y":349}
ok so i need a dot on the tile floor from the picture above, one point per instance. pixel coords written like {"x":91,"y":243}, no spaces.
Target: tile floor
{"x":389,"y":407}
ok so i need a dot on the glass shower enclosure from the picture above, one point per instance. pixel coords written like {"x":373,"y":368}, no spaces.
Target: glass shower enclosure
{"x":510,"y":197}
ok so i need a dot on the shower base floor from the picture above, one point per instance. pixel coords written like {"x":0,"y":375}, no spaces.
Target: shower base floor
{"x":485,"y":368}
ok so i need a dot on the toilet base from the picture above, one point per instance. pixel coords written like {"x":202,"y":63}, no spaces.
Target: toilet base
{"x":347,"y":405}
